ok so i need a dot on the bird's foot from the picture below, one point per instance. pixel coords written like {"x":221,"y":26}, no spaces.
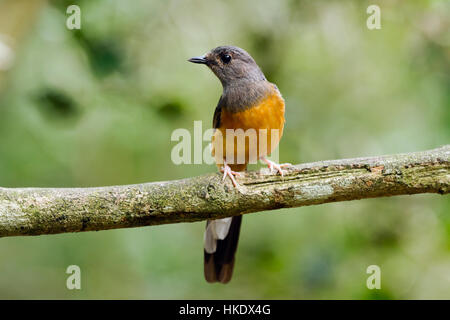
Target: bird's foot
{"x":275,"y":166}
{"x":230,"y":173}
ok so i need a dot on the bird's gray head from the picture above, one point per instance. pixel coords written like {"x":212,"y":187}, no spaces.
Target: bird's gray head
{"x":232,"y":65}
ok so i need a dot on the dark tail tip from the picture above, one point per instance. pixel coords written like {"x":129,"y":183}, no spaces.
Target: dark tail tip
{"x":218,"y":266}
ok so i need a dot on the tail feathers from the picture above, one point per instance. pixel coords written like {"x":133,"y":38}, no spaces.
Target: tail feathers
{"x":221,"y":240}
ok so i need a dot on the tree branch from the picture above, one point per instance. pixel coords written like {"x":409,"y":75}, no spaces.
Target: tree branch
{"x":35,"y":211}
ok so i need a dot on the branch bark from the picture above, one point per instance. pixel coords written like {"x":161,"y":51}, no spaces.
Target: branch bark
{"x":35,"y":211}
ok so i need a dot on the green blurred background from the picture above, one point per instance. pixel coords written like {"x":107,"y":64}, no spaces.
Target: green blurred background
{"x":97,"y":107}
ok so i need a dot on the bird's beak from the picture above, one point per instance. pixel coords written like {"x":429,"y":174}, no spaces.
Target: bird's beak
{"x":201,"y":60}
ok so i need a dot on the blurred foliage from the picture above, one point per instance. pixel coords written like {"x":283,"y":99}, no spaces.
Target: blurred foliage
{"x":97,"y":107}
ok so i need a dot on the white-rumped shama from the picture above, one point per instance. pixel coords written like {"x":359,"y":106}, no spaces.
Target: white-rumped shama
{"x":248,"y":101}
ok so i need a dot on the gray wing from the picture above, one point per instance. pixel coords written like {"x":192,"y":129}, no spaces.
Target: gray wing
{"x":217,"y":114}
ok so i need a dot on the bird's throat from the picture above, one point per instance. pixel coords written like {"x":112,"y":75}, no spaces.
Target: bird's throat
{"x":242,"y":96}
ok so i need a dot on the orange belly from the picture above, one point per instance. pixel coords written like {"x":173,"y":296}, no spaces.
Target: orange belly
{"x":261,"y":130}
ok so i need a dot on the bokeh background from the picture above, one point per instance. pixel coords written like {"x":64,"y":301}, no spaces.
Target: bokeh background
{"x":97,"y":107}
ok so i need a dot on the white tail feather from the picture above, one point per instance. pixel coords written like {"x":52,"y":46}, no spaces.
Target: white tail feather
{"x":216,"y":230}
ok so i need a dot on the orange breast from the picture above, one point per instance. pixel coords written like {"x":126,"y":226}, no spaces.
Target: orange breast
{"x":261,"y":130}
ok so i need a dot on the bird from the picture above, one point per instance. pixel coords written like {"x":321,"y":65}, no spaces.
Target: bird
{"x":249,"y":103}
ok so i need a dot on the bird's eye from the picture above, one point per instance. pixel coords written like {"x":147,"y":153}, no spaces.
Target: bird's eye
{"x":225,"y":58}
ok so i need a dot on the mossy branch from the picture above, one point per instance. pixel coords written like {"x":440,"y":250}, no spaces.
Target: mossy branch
{"x":36,"y":211}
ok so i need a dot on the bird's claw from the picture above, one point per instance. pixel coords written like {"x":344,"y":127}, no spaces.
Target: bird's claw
{"x":278,"y":167}
{"x":230,"y":173}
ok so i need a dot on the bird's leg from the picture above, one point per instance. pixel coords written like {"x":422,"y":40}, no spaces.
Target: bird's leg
{"x":230,"y":173}
{"x":272,"y":165}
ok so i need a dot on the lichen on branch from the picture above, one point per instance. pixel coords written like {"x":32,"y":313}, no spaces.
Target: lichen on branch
{"x":36,"y":211}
